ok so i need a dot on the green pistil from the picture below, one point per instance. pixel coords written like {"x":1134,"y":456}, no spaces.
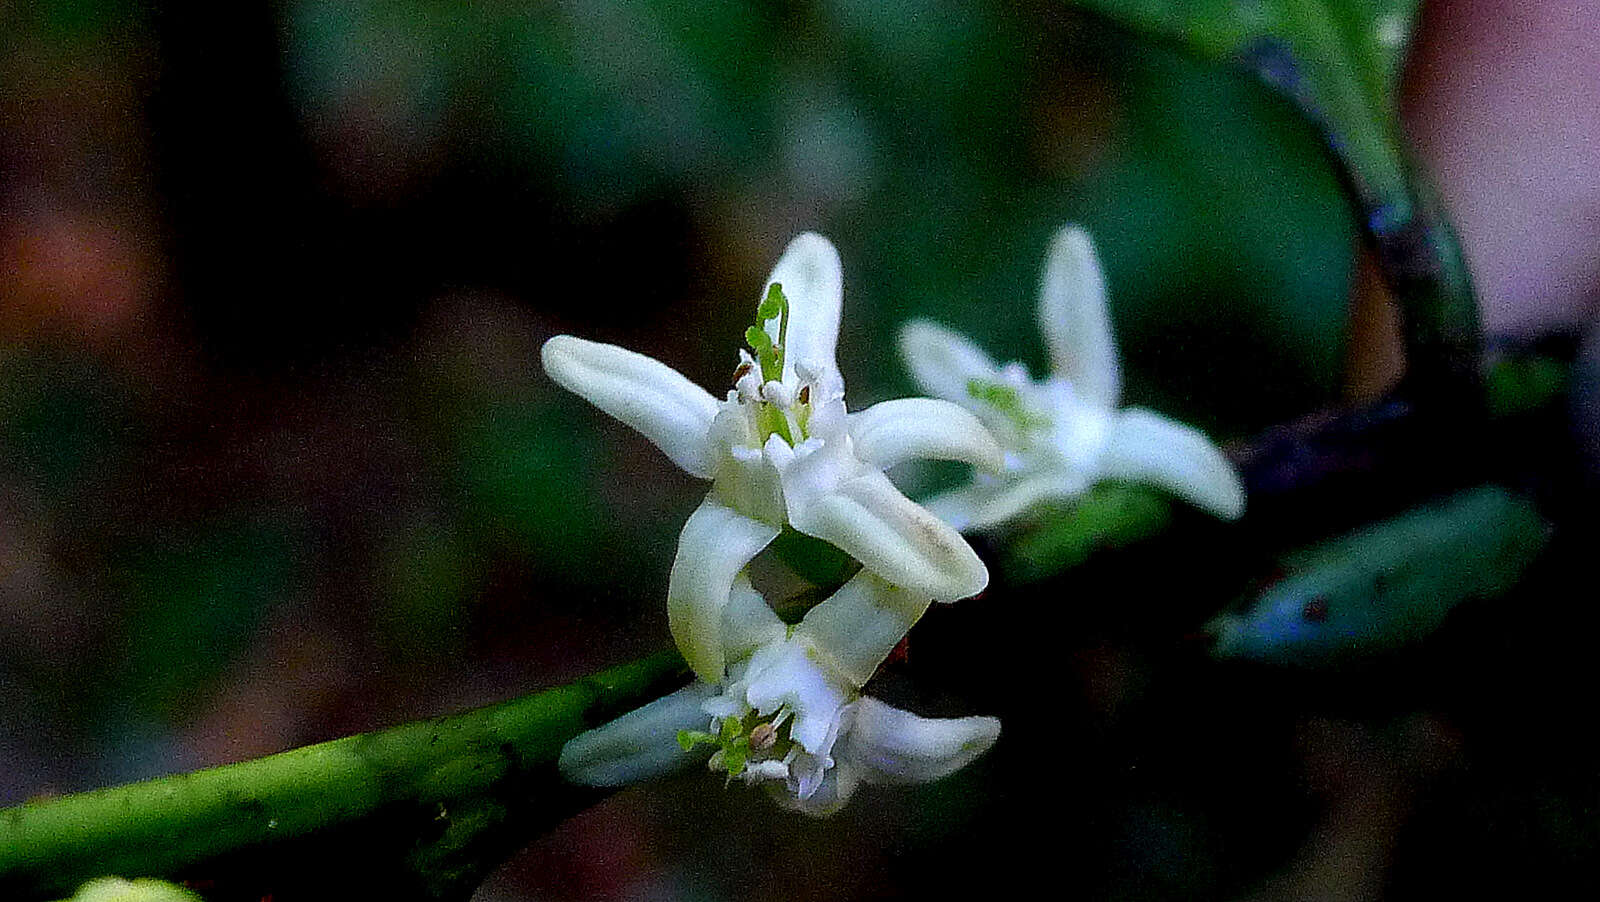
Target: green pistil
{"x":769,"y":357}
{"x":1005,"y":399}
{"x":768,"y":354}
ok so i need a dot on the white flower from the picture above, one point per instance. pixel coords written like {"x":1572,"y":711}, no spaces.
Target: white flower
{"x":1065,"y":433}
{"x":790,"y":715}
{"x":782,"y":450}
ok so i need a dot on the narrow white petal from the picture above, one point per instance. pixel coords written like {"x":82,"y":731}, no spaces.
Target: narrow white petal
{"x":943,"y":363}
{"x":748,"y":622}
{"x":960,"y":507}
{"x":716,"y":543}
{"x":642,"y":392}
{"x":640,"y":744}
{"x":856,"y":627}
{"x":888,"y":533}
{"x":1017,"y":496}
{"x":988,"y":503}
{"x":1144,"y":446}
{"x":888,"y":745}
{"x":813,"y":281}
{"x":1074,"y":319}
{"x":892,"y":432}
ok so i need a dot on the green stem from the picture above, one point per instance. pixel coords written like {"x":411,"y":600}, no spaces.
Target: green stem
{"x":431,"y":805}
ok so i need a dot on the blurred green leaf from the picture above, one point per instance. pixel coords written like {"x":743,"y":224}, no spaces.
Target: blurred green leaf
{"x":1110,"y":515}
{"x":429,"y":571}
{"x":1523,"y":384}
{"x":64,"y":422}
{"x":80,"y":22}
{"x":1338,"y":60}
{"x":195,"y":599}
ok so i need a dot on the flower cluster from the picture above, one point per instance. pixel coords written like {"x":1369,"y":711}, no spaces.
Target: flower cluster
{"x":781,"y":705}
{"x":1066,"y":432}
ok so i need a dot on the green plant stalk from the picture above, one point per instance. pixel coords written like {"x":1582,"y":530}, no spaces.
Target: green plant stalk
{"x":454,"y":785}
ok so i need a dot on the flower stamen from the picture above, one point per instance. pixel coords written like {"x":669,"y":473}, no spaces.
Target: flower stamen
{"x":755,"y":750}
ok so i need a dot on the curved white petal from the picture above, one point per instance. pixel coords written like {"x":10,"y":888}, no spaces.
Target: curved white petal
{"x":642,"y":392}
{"x":813,"y":281}
{"x":640,"y":744}
{"x":888,"y":533}
{"x":1016,"y":496}
{"x":1074,"y":318}
{"x":892,"y":432}
{"x":943,"y":362}
{"x":748,"y":622}
{"x":1143,"y":446}
{"x":856,"y":627}
{"x":883,"y":744}
{"x":716,"y":543}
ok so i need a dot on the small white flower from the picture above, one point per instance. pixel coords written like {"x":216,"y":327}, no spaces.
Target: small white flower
{"x":791,"y":715}
{"x":1065,"y":433}
{"x":781,"y":449}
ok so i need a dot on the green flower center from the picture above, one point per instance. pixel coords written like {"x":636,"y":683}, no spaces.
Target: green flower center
{"x":790,"y":418}
{"x":740,"y":740}
{"x":1007,"y":401}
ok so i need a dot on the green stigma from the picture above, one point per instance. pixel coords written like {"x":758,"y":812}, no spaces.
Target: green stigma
{"x":1005,"y":399}
{"x":769,"y":354}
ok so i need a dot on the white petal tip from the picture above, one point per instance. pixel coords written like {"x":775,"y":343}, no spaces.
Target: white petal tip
{"x":943,"y":362}
{"x":1074,"y":248}
{"x":646,"y":394}
{"x":895,"y":746}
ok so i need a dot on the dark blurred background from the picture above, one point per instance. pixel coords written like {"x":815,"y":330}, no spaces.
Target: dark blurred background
{"x":278,"y":462}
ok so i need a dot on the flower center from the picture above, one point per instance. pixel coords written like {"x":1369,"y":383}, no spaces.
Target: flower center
{"x":753,"y":747}
{"x":1007,"y":401}
{"x":776,"y":407}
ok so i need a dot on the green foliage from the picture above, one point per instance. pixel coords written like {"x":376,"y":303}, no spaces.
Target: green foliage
{"x":1338,"y":60}
{"x":1522,"y":384}
{"x":65,"y":423}
{"x":195,"y":599}
{"x":429,"y":574}
{"x":819,"y":563}
{"x":1110,"y":515}
{"x":688,"y":739}
{"x":80,"y":23}
{"x":1388,"y":584}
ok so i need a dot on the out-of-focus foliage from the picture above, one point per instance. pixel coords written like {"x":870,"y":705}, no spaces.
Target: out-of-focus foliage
{"x":956,"y":139}
{"x":1339,"y":60}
